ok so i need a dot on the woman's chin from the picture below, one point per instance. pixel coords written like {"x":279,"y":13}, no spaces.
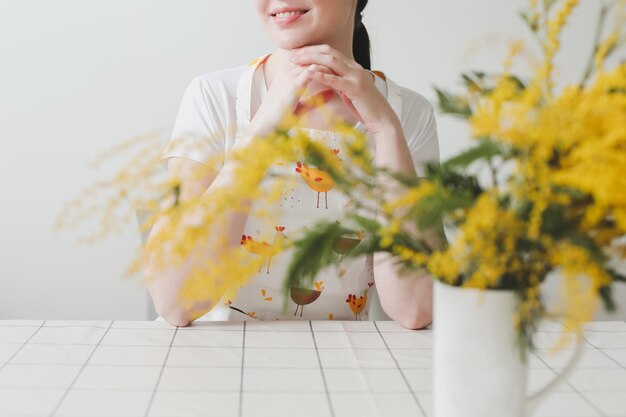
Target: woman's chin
{"x":292,"y":40}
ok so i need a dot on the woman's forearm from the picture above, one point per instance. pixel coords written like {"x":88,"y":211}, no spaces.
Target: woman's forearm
{"x":405,"y":298}
{"x":392,"y":151}
{"x":165,"y":283}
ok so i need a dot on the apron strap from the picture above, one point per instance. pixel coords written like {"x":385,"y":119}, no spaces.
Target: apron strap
{"x":244,"y":95}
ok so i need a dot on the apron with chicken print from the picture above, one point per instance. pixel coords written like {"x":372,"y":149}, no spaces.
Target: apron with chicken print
{"x":308,"y":194}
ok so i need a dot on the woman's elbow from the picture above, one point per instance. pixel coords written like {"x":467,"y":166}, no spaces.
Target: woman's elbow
{"x":178,"y":321}
{"x":168,"y":310}
{"x":418,"y":320}
{"x":175,"y":317}
{"x":415,"y":317}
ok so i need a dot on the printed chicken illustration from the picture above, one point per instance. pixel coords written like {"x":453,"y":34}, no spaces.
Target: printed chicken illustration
{"x":264,"y":249}
{"x":317,"y":179}
{"x":357,"y":304}
{"x":304,"y":296}
{"x":343,"y":245}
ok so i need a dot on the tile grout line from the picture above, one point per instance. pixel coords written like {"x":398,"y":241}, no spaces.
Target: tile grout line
{"x":22,"y":346}
{"x":213,"y":391}
{"x":108,"y":365}
{"x":217,"y":329}
{"x":223,"y":347}
{"x":243,"y":354}
{"x":319,"y":361}
{"x":362,"y":370}
{"x":209,"y":328}
{"x":567,"y":382}
{"x":58,"y":405}
{"x":601,"y":350}
{"x":406,"y":381}
{"x":156,"y":385}
{"x":610,"y":358}
{"x":604,"y":354}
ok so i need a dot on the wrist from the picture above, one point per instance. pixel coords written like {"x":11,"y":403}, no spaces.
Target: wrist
{"x":389,"y":126}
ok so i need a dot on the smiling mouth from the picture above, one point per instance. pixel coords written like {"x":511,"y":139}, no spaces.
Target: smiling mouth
{"x":288,"y":14}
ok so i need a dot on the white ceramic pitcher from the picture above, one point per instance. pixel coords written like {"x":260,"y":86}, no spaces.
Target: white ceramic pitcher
{"x":478,"y":370}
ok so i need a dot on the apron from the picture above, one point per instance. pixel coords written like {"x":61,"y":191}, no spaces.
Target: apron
{"x":339,"y":292}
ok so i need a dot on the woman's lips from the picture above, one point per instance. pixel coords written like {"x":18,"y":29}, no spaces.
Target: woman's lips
{"x":287,"y":20}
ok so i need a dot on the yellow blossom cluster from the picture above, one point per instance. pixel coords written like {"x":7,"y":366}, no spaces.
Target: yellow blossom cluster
{"x":485,"y":249}
{"x":552,"y":44}
{"x":563,"y":205}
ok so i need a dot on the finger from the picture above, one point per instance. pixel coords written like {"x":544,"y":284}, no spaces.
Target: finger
{"x":327,"y":50}
{"x":316,"y":67}
{"x":301,"y":68}
{"x":348,"y":103}
{"x":295,"y":70}
{"x":312,"y":101}
{"x":303,"y":80}
{"x":341,"y":84}
{"x":336,"y":64}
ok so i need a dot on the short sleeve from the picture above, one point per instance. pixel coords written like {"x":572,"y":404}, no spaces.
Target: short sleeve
{"x":420,"y":128}
{"x":198,"y":133}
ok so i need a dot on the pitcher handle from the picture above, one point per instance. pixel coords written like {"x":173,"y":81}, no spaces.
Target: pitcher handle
{"x":533,"y":401}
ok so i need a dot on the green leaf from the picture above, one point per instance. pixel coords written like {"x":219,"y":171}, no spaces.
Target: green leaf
{"x":617,"y":276}
{"x":470,"y":83}
{"x":479,"y":74}
{"x":405,"y":180}
{"x":370,"y":225}
{"x":453,"y":181}
{"x":589,"y":245}
{"x":312,"y":252}
{"x":606,"y":294}
{"x":486,"y":149}
{"x":431,"y":210}
{"x":453,"y":105}
{"x":555,"y":221}
{"x":518,"y":82}
{"x":531,"y":23}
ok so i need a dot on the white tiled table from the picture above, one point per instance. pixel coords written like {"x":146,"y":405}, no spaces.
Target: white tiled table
{"x":299,"y":369}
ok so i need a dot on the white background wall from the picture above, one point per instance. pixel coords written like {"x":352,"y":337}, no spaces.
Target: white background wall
{"x":80,"y":76}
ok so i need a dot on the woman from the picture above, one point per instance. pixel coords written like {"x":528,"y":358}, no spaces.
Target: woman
{"x":324,"y":46}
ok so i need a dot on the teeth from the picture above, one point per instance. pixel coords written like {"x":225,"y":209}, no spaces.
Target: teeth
{"x":286,"y":14}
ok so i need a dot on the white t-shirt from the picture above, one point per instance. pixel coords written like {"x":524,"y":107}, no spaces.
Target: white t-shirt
{"x":214,"y":107}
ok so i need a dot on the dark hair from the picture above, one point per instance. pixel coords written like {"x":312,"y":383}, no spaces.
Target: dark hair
{"x":361,"y":41}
